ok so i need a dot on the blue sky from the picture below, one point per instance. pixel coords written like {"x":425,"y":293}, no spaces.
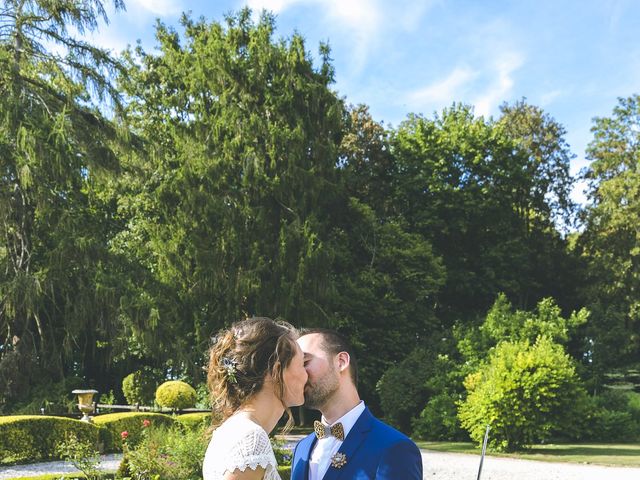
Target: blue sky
{"x":572,"y":58}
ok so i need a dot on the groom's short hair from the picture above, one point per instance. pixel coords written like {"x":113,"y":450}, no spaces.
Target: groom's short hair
{"x":334,"y":343}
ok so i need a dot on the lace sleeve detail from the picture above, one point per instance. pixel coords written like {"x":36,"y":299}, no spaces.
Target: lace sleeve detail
{"x":251,"y":451}
{"x":238,"y":445}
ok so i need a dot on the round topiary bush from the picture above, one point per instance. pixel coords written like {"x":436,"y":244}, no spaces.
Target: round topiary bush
{"x":176,"y":394}
{"x":139,"y":387}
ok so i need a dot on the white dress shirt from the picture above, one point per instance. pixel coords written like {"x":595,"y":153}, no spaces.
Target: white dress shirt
{"x":326,"y":447}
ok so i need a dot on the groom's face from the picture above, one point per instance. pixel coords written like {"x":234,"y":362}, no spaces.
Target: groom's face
{"x":323,"y":374}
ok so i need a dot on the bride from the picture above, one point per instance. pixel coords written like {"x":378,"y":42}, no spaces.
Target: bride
{"x":255,"y":373}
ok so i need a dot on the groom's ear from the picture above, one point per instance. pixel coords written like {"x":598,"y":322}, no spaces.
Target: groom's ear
{"x":344,"y":360}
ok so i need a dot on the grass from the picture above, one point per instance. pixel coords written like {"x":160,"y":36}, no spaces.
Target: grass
{"x":619,"y":455}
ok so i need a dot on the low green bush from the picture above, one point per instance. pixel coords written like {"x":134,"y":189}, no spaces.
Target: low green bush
{"x":438,"y":420}
{"x":615,"y":417}
{"x":30,"y":438}
{"x":131,"y":422}
{"x":196,"y":420}
{"x":176,"y":394}
{"x":168,"y":454}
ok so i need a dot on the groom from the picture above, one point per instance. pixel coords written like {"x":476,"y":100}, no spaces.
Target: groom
{"x":349,"y":443}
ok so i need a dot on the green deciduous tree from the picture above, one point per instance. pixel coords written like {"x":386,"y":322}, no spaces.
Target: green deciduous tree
{"x":611,"y":238}
{"x":485,"y":194}
{"x":526,"y":392}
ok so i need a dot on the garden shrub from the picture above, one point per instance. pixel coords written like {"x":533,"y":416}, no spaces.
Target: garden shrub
{"x":168,"y":453}
{"x":139,"y":387}
{"x":176,"y":394}
{"x":31,"y":438}
{"x":615,"y":417}
{"x":203,"y":396}
{"x":525,"y":393}
{"x":438,"y":420}
{"x":196,"y":420}
{"x":82,"y":455}
{"x":131,"y":422}
{"x":407,"y":387}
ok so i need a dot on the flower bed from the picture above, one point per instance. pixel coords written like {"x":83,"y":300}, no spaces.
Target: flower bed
{"x":131,"y":422}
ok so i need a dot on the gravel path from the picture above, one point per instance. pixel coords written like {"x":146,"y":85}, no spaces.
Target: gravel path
{"x":107,"y":462}
{"x":440,"y":466}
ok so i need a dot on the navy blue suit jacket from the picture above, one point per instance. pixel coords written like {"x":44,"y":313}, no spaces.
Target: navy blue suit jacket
{"x":373,"y":450}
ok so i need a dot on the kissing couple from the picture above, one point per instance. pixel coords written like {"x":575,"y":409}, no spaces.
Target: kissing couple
{"x":258,"y":369}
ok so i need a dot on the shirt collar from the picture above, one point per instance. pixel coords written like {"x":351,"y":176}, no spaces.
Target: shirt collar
{"x":349,"y":419}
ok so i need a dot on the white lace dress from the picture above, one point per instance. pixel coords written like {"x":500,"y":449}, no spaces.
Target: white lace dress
{"x":239,"y":443}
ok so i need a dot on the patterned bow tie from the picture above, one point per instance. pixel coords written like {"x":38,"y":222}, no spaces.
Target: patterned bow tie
{"x":322,"y":431}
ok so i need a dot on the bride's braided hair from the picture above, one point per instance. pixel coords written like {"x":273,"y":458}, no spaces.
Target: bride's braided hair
{"x":242,"y":356}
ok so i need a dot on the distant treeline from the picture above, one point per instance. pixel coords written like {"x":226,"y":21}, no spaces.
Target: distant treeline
{"x":148,"y":200}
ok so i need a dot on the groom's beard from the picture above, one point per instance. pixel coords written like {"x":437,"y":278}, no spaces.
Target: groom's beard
{"x":318,"y":394}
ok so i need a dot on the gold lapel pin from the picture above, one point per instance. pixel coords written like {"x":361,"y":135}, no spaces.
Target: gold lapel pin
{"x":339,"y":460}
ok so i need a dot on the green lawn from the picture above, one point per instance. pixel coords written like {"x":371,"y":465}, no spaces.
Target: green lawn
{"x":627,"y":454}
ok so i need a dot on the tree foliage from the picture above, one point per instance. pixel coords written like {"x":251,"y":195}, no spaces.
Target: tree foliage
{"x":525,"y":392}
{"x":228,"y":212}
{"x":611,"y":239}
{"x":55,"y":149}
{"x":485,"y":193}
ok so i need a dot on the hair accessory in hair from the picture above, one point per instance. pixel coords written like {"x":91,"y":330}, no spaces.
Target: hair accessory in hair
{"x":230,"y":367}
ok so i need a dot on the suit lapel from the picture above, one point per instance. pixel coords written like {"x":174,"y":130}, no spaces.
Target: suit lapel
{"x":351,"y":444}
{"x":300,"y":468}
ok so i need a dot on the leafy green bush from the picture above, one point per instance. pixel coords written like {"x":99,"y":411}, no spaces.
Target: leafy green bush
{"x":284,"y":456}
{"x":439,"y":420}
{"x":82,"y":455}
{"x":30,"y":438}
{"x":176,"y":394}
{"x":195,"y":421}
{"x":204,"y":400}
{"x":131,"y":422}
{"x":139,"y":387}
{"x":405,"y":388}
{"x":168,"y":453}
{"x":525,"y":393}
{"x":615,"y":417}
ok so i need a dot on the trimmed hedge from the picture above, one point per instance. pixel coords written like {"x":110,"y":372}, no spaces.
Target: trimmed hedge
{"x":30,"y":438}
{"x":176,"y":394}
{"x":130,"y":422}
{"x":195,"y":420}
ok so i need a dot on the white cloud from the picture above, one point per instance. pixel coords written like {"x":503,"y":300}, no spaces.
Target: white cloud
{"x":408,"y":13}
{"x":547,"y":98}
{"x":445,"y":91}
{"x":362,"y":25}
{"x":501,"y":85}
{"x":275,"y":6}
{"x":162,"y":8}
